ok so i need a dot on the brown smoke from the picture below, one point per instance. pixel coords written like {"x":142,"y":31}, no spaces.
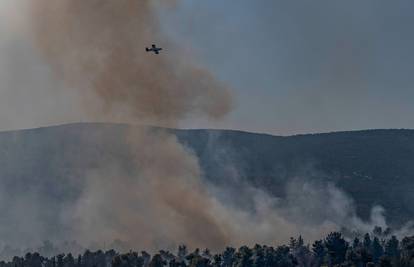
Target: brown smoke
{"x":160,"y":207}
{"x":99,"y":45}
{"x":98,"y":48}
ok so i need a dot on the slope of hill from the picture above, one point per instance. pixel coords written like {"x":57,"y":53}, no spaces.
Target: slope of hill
{"x":375,"y":167}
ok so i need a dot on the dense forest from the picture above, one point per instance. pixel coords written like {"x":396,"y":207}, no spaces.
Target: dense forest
{"x":375,"y":249}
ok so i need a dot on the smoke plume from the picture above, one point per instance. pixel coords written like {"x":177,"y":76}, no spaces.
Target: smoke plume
{"x":97,"y":47}
{"x":160,"y":205}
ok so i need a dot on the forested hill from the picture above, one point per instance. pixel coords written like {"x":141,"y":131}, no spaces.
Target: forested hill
{"x":373,"y":166}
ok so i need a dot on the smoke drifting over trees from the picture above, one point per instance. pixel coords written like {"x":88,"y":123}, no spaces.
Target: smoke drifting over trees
{"x":376,"y":249}
{"x":95,"y":48}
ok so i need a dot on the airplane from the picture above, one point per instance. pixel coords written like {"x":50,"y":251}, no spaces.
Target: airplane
{"x":154,"y":49}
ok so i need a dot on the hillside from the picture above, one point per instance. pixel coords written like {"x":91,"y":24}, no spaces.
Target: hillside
{"x":373,"y":166}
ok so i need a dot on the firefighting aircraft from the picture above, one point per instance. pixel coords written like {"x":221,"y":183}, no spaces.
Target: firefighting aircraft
{"x":154,"y":49}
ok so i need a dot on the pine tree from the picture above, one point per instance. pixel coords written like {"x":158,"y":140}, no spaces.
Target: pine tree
{"x":157,"y":261}
{"x":336,"y":248}
{"x":259,"y":259}
{"x":228,"y":257}
{"x":367,"y":243}
{"x":244,"y":257}
{"x":377,"y":250}
{"x":407,"y":252}
{"x":356,"y":243}
{"x":319,"y":252}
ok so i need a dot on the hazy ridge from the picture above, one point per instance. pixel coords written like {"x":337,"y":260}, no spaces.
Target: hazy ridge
{"x":374,"y":167}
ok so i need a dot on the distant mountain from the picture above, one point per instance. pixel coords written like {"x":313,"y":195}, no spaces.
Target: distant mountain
{"x":373,"y":166}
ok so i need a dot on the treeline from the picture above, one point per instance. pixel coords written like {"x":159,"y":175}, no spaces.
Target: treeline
{"x":334,"y":250}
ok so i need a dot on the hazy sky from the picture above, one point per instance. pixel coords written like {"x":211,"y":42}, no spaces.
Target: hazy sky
{"x":295,"y":66}
{"x":306,"y":66}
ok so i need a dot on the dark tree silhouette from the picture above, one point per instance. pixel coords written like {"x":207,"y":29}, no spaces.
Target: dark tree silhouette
{"x":336,"y":247}
{"x":377,"y":250}
{"x":407,"y":252}
{"x":319,"y":253}
{"x":333,"y":250}
{"x":157,"y":261}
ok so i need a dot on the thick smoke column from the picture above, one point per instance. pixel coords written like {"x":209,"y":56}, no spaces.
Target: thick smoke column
{"x":99,"y":45}
{"x":161,"y":205}
{"x":96,"y":47}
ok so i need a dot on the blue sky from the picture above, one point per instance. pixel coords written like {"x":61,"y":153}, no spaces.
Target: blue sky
{"x":304,"y":66}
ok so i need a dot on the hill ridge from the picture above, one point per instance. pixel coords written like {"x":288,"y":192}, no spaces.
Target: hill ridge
{"x":77,"y":124}
{"x":374,"y":167}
